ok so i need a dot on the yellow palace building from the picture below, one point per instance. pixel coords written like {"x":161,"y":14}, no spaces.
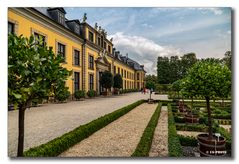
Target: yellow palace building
{"x":86,"y":49}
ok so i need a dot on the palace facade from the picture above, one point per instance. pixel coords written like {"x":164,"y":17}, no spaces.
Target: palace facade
{"x":86,"y":49}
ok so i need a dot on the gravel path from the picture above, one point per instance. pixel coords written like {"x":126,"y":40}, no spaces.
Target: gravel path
{"x":118,"y":139}
{"x":159,"y":147}
{"x":189,"y":133}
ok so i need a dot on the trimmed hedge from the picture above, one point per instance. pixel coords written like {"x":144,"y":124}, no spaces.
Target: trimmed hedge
{"x":179,"y":119}
{"x":144,"y":145}
{"x":188,"y":141}
{"x":60,"y":144}
{"x":174,"y":146}
{"x":192,"y":127}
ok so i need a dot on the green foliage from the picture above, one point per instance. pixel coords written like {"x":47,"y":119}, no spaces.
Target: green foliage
{"x":79,"y":94}
{"x":227,"y":135}
{"x":61,"y":92}
{"x":208,"y":79}
{"x":227,"y":60}
{"x":91,"y":93}
{"x":174,"y":146}
{"x":179,"y":119}
{"x":33,"y":70}
{"x":171,"y":69}
{"x":144,"y":145}
{"x":192,"y":127}
{"x":188,"y":141}
{"x":118,"y":81}
{"x":60,"y":144}
{"x":151,"y":81}
{"x":150,"y":85}
{"x":106,"y":80}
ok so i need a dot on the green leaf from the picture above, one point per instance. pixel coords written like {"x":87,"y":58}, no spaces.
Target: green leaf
{"x":17,"y":96}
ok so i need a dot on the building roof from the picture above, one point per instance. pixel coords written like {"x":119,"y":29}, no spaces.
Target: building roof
{"x":125,"y":59}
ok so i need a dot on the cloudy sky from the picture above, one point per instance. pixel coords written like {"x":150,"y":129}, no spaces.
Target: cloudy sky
{"x":146,"y":33}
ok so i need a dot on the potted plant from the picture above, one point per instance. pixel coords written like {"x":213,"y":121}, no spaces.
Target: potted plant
{"x":188,"y":89}
{"x":79,"y":95}
{"x":118,"y":83}
{"x":208,"y":78}
{"x":106,"y":80}
{"x":91,"y":93}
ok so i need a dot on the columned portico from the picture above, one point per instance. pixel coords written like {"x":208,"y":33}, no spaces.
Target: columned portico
{"x":102,"y":65}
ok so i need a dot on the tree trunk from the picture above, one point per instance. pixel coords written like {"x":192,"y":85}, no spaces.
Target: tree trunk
{"x":209,"y":117}
{"x":192,"y":104}
{"x":21,"y":118}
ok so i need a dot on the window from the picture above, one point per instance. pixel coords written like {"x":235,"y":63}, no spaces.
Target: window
{"x":76,"y":81}
{"x":39,"y":39}
{"x":114,"y":69}
{"x":76,"y":57}
{"x":91,"y":62}
{"x":77,"y":29}
{"x":91,"y":82}
{"x":118,"y":70}
{"x":109,"y":49}
{"x":61,"y":18}
{"x":11,"y":28}
{"x":98,"y":41}
{"x":91,"y":36}
{"x":104,"y":45}
{"x":62,"y":50}
{"x":122,"y":73}
{"x":125,"y":73}
{"x":137,"y":76}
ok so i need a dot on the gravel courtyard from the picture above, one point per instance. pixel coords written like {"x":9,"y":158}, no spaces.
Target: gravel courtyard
{"x":49,"y":121}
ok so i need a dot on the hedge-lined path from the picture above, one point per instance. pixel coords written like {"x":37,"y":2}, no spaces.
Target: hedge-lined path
{"x":118,"y":139}
{"x":49,"y":121}
{"x":159,"y":147}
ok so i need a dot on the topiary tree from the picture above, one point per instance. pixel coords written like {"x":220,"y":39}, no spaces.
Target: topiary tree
{"x":207,"y":78}
{"x":118,"y":81}
{"x":176,"y":86}
{"x":33,"y":72}
{"x":150,"y":85}
{"x":106,"y":80}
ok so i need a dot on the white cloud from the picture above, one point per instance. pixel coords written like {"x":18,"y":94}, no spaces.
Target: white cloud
{"x":216,"y":11}
{"x":143,"y":50}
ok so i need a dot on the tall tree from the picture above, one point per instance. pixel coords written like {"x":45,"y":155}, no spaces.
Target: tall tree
{"x":163,"y":70}
{"x":33,"y":70}
{"x":228,"y":59}
{"x":187,"y":61}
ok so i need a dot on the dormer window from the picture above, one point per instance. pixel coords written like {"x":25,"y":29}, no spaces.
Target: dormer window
{"x":91,"y":36}
{"x":77,"y":29}
{"x":61,"y":18}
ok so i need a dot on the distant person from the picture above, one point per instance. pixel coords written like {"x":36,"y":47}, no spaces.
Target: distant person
{"x":144,"y":90}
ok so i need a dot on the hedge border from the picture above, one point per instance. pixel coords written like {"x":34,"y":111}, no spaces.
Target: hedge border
{"x":60,"y":144}
{"x":174,"y":146}
{"x":144,"y":145}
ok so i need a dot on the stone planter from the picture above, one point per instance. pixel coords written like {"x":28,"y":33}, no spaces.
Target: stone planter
{"x":150,"y":101}
{"x":211,"y":147}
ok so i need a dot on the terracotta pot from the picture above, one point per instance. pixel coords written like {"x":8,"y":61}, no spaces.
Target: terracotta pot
{"x":191,"y":118}
{"x":211,"y":147}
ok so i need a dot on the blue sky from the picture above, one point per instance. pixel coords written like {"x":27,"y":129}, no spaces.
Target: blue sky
{"x":146,"y":33}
